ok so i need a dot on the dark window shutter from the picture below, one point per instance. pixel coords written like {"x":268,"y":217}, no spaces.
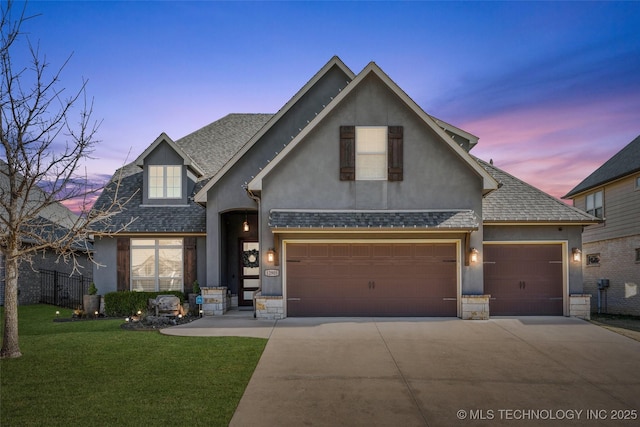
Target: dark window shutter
{"x":347,"y":153}
{"x":190,"y":264}
{"x":394,"y":154}
{"x":123,"y":259}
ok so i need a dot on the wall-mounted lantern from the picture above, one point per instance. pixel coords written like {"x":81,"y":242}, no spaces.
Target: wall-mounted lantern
{"x":271,"y":255}
{"x":576,"y":254}
{"x":473,"y":255}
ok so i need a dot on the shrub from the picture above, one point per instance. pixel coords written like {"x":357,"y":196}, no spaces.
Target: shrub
{"x":121,"y":304}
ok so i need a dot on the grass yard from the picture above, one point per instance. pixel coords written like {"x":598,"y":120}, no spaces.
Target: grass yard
{"x":95,"y":373}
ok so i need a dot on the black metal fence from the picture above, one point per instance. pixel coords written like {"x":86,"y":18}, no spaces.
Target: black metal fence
{"x":61,"y":289}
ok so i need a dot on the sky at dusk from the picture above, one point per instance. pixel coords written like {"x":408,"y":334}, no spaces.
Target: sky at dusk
{"x":551,"y":89}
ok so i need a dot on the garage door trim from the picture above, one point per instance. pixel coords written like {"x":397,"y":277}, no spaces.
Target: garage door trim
{"x":565,"y":263}
{"x":457,"y":242}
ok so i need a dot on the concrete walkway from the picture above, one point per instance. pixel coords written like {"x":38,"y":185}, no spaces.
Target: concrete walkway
{"x":437,"y":372}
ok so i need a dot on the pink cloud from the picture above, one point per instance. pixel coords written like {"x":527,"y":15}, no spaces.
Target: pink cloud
{"x":554,"y":148}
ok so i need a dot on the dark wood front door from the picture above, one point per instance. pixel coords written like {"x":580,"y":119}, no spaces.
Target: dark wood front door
{"x":371,"y":279}
{"x":524,"y":279}
{"x":249,"y":271}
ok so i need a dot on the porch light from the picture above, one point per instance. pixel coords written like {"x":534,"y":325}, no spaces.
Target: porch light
{"x":271,"y":255}
{"x":245,"y":226}
{"x":577,"y":254}
{"x":474,"y":255}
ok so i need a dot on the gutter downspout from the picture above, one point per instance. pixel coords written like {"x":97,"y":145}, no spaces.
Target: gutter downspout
{"x":256,"y":199}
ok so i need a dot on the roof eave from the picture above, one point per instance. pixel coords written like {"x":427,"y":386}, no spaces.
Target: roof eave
{"x":163,"y":137}
{"x":201,"y":196}
{"x":488,"y":182}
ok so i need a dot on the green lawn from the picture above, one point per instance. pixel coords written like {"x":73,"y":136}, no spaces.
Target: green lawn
{"x":95,"y":373}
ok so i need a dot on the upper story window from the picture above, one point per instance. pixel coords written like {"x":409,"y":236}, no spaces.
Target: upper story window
{"x":637,"y":182}
{"x":165,"y":182}
{"x":371,"y":153}
{"x":595,"y":204}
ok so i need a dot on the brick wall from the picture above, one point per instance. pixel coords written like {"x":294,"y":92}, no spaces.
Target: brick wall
{"x":617,"y":263}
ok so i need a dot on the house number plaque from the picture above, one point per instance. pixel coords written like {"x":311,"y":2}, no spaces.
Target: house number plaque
{"x":272,"y":272}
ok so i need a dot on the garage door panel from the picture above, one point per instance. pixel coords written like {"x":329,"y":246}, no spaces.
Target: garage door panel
{"x":524,"y":279}
{"x":378,"y":279}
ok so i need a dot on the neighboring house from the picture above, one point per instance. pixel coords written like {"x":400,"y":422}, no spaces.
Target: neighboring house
{"x":349,"y":201}
{"x":53,"y":220}
{"x":611,"y":249}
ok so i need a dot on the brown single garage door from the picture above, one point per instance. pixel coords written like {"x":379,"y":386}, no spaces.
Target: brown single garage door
{"x":371,"y":279}
{"x":523,"y":280}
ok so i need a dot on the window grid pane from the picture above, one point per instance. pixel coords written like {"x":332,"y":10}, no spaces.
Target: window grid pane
{"x":174,"y":181}
{"x":156,"y":180}
{"x":371,"y":152}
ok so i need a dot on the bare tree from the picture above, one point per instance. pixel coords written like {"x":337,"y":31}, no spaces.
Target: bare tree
{"x":46,"y":134}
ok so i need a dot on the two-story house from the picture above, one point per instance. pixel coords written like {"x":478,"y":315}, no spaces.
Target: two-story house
{"x":349,"y":201}
{"x":612,"y":247}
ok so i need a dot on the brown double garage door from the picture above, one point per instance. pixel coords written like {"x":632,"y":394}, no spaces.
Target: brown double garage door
{"x":371,"y":279}
{"x":524,"y":279}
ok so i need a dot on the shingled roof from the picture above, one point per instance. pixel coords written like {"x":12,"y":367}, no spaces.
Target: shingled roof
{"x":371,"y":219}
{"x":517,"y":201}
{"x":625,"y":162}
{"x":212,"y":146}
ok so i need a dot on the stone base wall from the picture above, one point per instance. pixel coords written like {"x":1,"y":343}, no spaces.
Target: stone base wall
{"x":269,"y":307}
{"x":215,"y":301}
{"x":580,"y":306}
{"x":618,"y":264}
{"x":475,"y":307}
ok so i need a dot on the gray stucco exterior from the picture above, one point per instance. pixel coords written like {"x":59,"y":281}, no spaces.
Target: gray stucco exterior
{"x":277,"y":171}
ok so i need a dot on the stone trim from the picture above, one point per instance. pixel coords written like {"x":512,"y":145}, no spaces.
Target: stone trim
{"x":215,"y":301}
{"x":268,"y":307}
{"x":580,"y":306}
{"x":475,"y":307}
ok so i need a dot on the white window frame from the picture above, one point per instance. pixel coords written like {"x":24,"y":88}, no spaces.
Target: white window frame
{"x":170,"y":186}
{"x":372,"y":153}
{"x":156,"y":246}
{"x":592,"y":204}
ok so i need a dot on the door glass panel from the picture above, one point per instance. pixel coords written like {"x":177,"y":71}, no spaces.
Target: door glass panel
{"x":250,"y":259}
{"x":251,"y":283}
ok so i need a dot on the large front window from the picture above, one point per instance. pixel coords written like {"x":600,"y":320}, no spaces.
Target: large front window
{"x":156,"y":265}
{"x":165,"y":182}
{"x":371,"y":153}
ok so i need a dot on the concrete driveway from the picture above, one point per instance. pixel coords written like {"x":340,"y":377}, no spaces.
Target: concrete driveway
{"x":442,"y":372}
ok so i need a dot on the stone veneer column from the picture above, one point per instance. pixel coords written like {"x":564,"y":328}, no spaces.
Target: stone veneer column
{"x":475,"y":307}
{"x":214,"y":301}
{"x":580,"y":306}
{"x":268,"y":307}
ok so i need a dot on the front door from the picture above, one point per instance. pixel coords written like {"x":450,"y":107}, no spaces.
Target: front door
{"x":249,"y":271}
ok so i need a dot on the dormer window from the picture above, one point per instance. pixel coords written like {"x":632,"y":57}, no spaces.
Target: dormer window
{"x":165,"y":182}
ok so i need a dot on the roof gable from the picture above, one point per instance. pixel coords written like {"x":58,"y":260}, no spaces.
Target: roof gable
{"x":489,"y":184}
{"x":164,"y":138}
{"x":623,"y":163}
{"x":201,"y":196}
